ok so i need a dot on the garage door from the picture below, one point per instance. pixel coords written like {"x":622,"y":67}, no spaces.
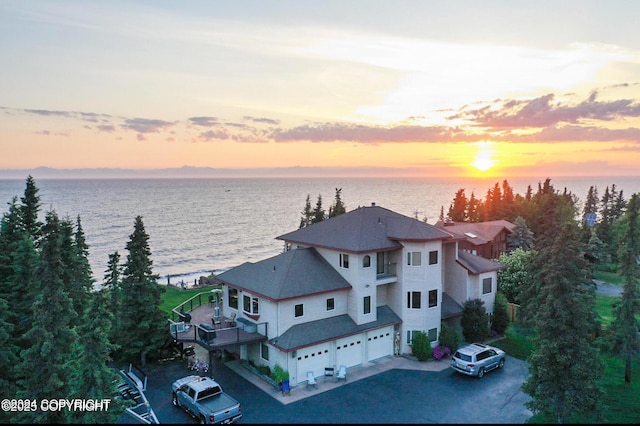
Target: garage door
{"x":379,"y":343}
{"x":315,"y":359}
{"x":349,"y":351}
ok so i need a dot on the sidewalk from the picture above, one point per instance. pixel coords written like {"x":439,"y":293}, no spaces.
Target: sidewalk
{"x":355,"y":373}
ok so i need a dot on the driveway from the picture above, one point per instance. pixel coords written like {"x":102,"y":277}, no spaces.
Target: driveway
{"x":393,"y":396}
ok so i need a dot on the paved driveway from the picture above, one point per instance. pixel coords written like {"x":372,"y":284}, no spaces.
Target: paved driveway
{"x":394,"y":396}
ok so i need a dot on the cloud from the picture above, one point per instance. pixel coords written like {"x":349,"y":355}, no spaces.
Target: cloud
{"x":544,"y":112}
{"x":261,"y":120}
{"x":348,"y":132}
{"x":580,"y":133}
{"x":204,"y":121}
{"x":145,"y":125}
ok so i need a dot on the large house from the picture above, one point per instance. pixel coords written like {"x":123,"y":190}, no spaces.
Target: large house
{"x":354,"y":288}
{"x":486,"y":239}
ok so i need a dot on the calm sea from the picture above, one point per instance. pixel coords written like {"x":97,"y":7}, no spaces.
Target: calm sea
{"x":202,"y":226}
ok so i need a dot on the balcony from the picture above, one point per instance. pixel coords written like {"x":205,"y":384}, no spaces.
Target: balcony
{"x":386,"y":273}
{"x":195,"y":321}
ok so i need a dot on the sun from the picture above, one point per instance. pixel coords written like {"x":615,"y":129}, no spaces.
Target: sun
{"x":483,"y":160}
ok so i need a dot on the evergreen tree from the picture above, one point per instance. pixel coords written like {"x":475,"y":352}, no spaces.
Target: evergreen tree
{"x":8,"y":358}
{"x":500,"y":317}
{"x":625,"y":327}
{"x":590,"y":208}
{"x":307,"y":213}
{"x":30,"y":209}
{"x":473,"y":209}
{"x":113,"y":287}
{"x":94,"y":378}
{"x":441,"y":217}
{"x":338,"y":207}
{"x":143,"y":325}
{"x":46,"y":365}
{"x":458,"y":208}
{"x":520,"y":236}
{"x":475,"y":327}
{"x":318,"y":212}
{"x":596,"y":248}
{"x":565,"y":367}
{"x":76,"y":270}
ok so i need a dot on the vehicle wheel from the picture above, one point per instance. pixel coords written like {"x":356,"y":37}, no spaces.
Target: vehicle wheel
{"x":481,"y":373}
{"x":202,"y":420}
{"x":174,"y":400}
{"x":501,"y":364}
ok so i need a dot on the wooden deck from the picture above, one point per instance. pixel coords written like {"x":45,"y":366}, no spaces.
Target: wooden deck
{"x":226,"y":336}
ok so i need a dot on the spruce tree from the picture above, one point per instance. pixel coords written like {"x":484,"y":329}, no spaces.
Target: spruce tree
{"x":30,"y":209}
{"x":48,"y":362}
{"x":113,"y":286}
{"x":94,"y":378}
{"x":625,"y":327}
{"x":318,"y":212}
{"x":338,"y":207}
{"x":565,"y":367}
{"x":458,"y":208}
{"x":307,"y":213}
{"x":8,"y":358}
{"x":143,"y":328}
{"x":520,"y":236}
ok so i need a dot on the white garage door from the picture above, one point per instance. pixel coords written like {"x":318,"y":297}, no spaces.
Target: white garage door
{"x":315,"y":359}
{"x":379,"y":343}
{"x":349,"y":351}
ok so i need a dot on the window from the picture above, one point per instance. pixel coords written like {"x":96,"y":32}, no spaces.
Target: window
{"x":344,"y":260}
{"x":366,"y":261}
{"x":367,"y":304}
{"x":250,"y":305}
{"x":486,"y":285}
{"x":433,"y":298}
{"x":433,"y":257}
{"x":264,"y":352}
{"x":233,"y":298}
{"x":414,"y":258}
{"x":413,"y":299}
{"x":331,"y":304}
{"x":432,"y":334}
{"x":299,"y":310}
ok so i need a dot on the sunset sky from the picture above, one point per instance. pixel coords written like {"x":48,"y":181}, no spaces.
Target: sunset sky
{"x":407,"y":88}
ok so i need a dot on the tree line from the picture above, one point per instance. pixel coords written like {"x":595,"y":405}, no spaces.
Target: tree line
{"x":59,"y":337}
{"x":549,"y":267}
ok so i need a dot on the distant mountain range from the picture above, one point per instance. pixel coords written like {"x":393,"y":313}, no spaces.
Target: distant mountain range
{"x":204,"y":172}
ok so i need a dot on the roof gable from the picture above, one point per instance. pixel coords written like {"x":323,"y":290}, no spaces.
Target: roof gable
{"x":477,"y":232}
{"x":365,"y":229}
{"x":295,"y":273}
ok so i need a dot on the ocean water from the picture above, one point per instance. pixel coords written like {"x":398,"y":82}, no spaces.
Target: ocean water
{"x":202,"y":226}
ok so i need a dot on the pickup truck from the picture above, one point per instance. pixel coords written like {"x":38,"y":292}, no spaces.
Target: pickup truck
{"x":204,"y":400}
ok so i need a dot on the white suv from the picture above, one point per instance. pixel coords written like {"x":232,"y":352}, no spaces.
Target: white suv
{"x":476,"y":359}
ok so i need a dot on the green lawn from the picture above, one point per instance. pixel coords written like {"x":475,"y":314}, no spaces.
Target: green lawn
{"x":621,"y":401}
{"x":173,"y":297}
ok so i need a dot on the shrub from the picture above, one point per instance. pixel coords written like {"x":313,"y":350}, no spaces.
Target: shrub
{"x":449,"y":337}
{"x":279,"y":374}
{"x":441,"y":351}
{"x":475,"y":326}
{"x":500,"y":320}
{"x":421,"y":346}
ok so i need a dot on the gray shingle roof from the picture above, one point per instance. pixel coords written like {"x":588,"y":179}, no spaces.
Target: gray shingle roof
{"x":295,"y":273}
{"x":477,"y":264}
{"x":323,"y":330}
{"x":365,"y":229}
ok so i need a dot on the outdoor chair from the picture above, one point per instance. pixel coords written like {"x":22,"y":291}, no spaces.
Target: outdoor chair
{"x":342,"y":374}
{"x":285,"y":387}
{"x":231,"y":322}
{"x":311,"y":381}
